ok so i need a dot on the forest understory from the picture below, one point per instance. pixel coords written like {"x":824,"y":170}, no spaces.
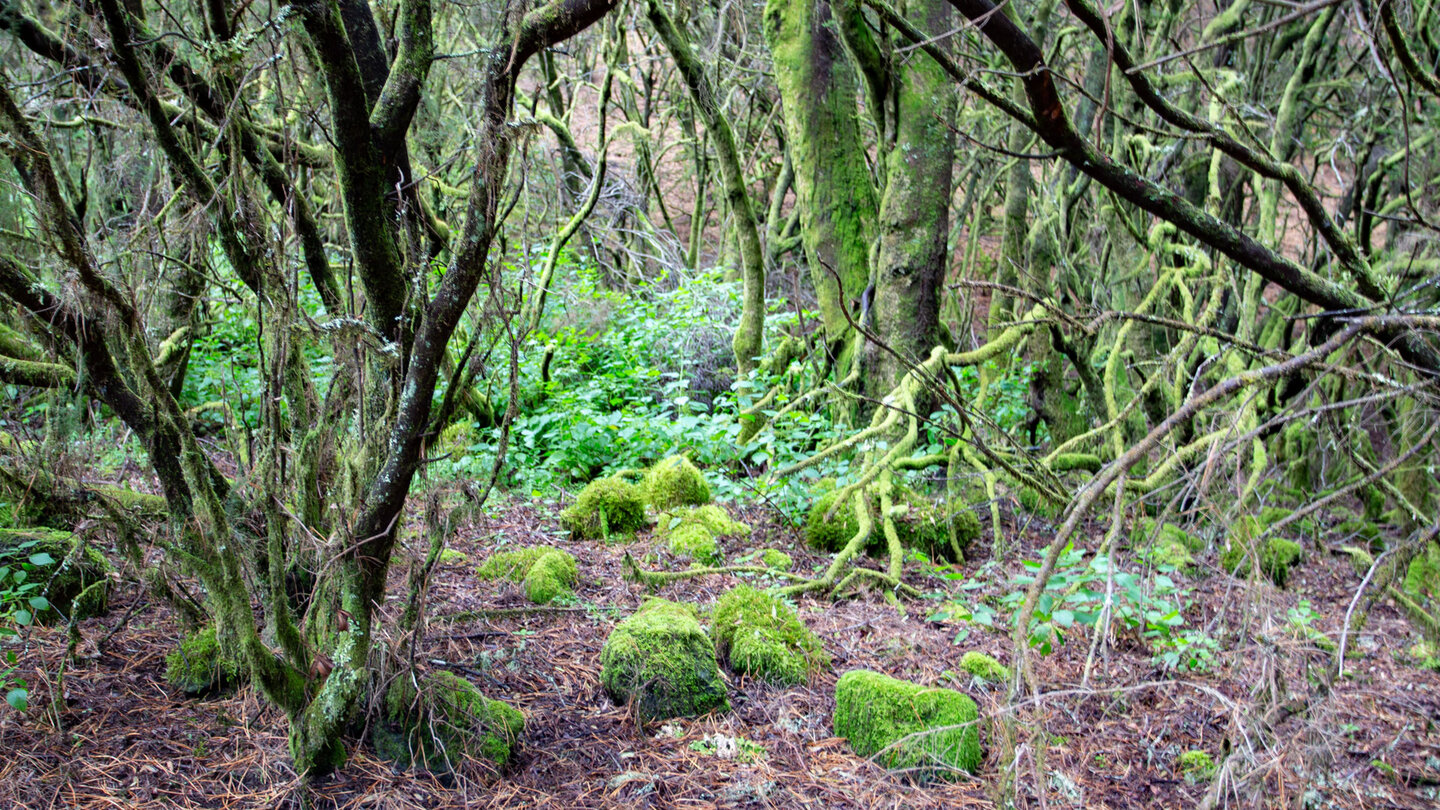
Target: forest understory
{"x":126,"y":739}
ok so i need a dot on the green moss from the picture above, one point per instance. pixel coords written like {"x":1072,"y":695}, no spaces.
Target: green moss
{"x":1297,"y":454}
{"x":448,"y":721}
{"x":1350,"y":530}
{"x":674,"y":481}
{"x":984,"y":667}
{"x":1037,"y":504}
{"x":449,"y":556}
{"x":919,"y":524}
{"x":512,"y":565}
{"x":661,"y":659}
{"x":761,"y":636}
{"x":711,"y":516}
{"x":199,"y":666}
{"x":776,"y":559}
{"x":1276,"y":557}
{"x":1196,"y":766}
{"x":606,"y":507}
{"x":695,"y":541}
{"x":1422,"y":577}
{"x":68,"y":576}
{"x":552,"y":575}
{"x":874,"y":711}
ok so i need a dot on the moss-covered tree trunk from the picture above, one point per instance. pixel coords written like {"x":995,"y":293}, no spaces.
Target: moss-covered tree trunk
{"x":834,"y":192}
{"x":749,"y":335}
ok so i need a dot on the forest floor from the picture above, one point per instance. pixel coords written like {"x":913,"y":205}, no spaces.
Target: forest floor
{"x":128,"y":741}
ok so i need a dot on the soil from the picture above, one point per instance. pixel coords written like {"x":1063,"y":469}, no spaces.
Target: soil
{"x":122,"y":738}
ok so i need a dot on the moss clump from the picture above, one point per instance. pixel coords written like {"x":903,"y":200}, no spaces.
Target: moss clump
{"x":1037,"y":504}
{"x":774,"y":558}
{"x":874,"y":711}
{"x":1422,"y":578}
{"x":552,"y":575}
{"x":544,"y":572}
{"x":761,"y":636}
{"x":1165,"y":544}
{"x":695,"y":531}
{"x":449,"y":556}
{"x":199,"y":666}
{"x":984,"y":667}
{"x":1277,"y":556}
{"x":919,"y":524}
{"x":661,"y":659}
{"x":1196,"y":766}
{"x":605,"y":507}
{"x":674,"y":481}
{"x":512,"y":565}
{"x":448,"y":721}
{"x":69,"y":574}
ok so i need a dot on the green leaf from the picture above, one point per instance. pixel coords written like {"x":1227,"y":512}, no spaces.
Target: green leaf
{"x":22,"y":617}
{"x":1064,"y":618}
{"x":19,"y":699}
{"x":40,"y":603}
{"x":41,"y":558}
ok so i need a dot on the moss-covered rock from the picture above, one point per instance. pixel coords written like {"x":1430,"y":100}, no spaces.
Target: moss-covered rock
{"x":450,"y":556}
{"x":985,"y":667}
{"x":198,"y":665}
{"x":545,"y":572}
{"x":761,"y":636}
{"x":1363,"y":530}
{"x":661,"y":659}
{"x":920,"y":524}
{"x":65,"y":569}
{"x":674,"y":481}
{"x":695,"y":532}
{"x":1165,"y":544}
{"x":445,"y":722}
{"x":874,"y":711}
{"x":777,"y":559}
{"x":551,"y":576}
{"x":605,"y":507}
{"x":1277,"y":555}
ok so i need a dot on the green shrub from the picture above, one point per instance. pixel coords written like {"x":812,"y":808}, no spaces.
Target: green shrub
{"x":447,"y":721}
{"x":984,"y":667}
{"x":606,"y":507}
{"x":761,"y":636}
{"x":661,"y":659}
{"x":199,"y":666}
{"x":874,"y":711}
{"x":674,"y":481}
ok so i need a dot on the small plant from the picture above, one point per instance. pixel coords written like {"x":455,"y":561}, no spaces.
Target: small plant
{"x":721,"y":746}
{"x":19,"y":605}
{"x":1196,"y":766}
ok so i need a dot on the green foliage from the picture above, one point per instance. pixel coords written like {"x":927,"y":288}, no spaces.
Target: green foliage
{"x":446,"y":721}
{"x":984,"y":667}
{"x":878,"y":713}
{"x":72,"y":577}
{"x":512,"y":565}
{"x":674,"y":481}
{"x":661,"y":659}
{"x":198,"y":665}
{"x":920,"y":524}
{"x":695,"y":531}
{"x":1422,"y":577}
{"x":608,"y":506}
{"x":1165,"y":545}
{"x":760,"y":635}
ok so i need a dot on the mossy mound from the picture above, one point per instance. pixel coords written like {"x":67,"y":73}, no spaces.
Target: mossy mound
{"x":1165,"y":544}
{"x":450,"y":556}
{"x":1277,"y":555}
{"x":874,"y":711}
{"x":661,"y":660}
{"x":761,"y":636}
{"x":544,"y":572}
{"x":552,"y":575}
{"x":605,"y":507}
{"x":695,"y":532}
{"x":777,"y":559}
{"x":198,"y":666}
{"x":985,"y":667}
{"x":68,"y":574}
{"x":1036,"y":504}
{"x":1422,"y":577}
{"x":1357,"y":529}
{"x":446,"y":722}
{"x":673,"y":482}
{"x":919,"y":524}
